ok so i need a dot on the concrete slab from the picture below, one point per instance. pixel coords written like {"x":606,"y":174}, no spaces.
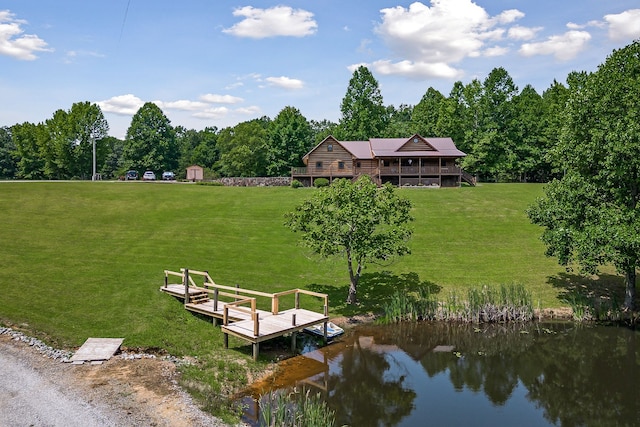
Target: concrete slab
{"x":95,"y":349}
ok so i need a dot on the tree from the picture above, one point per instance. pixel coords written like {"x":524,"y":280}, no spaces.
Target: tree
{"x":243,"y":149}
{"x":399,"y":121}
{"x":150,"y":143}
{"x":530,"y":145}
{"x":591,"y":215}
{"x":27,"y":138}
{"x":424,"y":118}
{"x":197,"y":147}
{"x":357,"y":220}
{"x":8,"y":161}
{"x":290,"y":138}
{"x":364,"y":115}
{"x":322,"y":129}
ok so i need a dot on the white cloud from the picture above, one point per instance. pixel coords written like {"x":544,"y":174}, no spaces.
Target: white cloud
{"x":574,"y":26}
{"x":495,"y":51}
{"x":124,"y":105}
{"x":182,"y":105}
{"x":508,"y":16}
{"x":564,"y":47}
{"x":430,"y":39}
{"x":272,"y":22}
{"x":16,"y":45}
{"x":415,"y":70}
{"x":624,"y":26}
{"x":221,"y":99}
{"x":249,"y":110}
{"x":212,"y":113}
{"x":523,"y":33}
{"x":285,"y":82}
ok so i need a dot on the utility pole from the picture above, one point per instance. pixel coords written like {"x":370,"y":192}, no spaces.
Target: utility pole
{"x":93,"y":141}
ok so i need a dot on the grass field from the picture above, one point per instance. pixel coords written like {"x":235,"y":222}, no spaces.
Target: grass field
{"x":86,"y":259}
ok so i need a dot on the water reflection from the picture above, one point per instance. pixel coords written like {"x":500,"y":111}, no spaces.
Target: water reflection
{"x":445,"y":374}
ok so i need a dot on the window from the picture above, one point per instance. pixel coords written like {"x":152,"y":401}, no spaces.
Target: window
{"x":330,"y":147}
{"x":318,"y":165}
{"x":340,"y":165}
{"x":358,"y":165}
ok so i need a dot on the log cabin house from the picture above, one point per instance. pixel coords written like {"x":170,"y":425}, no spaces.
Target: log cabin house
{"x":415,"y":161}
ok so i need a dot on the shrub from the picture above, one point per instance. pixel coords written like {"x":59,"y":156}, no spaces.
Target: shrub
{"x":320,"y":182}
{"x":296,"y":184}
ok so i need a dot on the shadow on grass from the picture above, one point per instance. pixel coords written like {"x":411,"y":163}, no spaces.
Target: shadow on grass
{"x":602,"y":287}
{"x":374,"y":291}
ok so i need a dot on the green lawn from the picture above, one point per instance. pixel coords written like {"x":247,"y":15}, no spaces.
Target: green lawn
{"x":86,"y":259}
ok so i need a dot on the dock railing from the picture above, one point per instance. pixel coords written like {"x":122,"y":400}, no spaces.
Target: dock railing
{"x":297,"y":293}
{"x":236,"y":306}
{"x":239,"y":296}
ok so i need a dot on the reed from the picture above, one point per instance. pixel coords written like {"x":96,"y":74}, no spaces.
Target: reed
{"x":591,"y":308}
{"x":484,"y":304}
{"x":295,"y":410}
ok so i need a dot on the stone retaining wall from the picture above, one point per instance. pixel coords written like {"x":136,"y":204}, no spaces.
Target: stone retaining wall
{"x":280,"y":181}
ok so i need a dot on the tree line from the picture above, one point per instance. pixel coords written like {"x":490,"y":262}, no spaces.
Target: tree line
{"x":507,"y":133}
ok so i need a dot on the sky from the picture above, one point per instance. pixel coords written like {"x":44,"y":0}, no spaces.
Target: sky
{"x":216,"y":63}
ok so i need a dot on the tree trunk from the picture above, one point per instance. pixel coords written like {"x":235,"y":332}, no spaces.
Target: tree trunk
{"x":352,"y":298}
{"x":630,"y":289}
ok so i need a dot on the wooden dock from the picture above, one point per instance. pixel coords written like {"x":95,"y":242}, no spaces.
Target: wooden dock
{"x":237,"y":308}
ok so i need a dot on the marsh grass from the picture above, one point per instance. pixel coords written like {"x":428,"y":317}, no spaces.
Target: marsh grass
{"x":486,"y":304}
{"x":296,"y":409}
{"x":595,"y":308}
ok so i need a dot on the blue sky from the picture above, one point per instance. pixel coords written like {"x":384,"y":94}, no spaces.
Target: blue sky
{"x":221,"y":62}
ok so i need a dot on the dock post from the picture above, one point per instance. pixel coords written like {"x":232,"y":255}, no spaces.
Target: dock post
{"x":256,"y":350}
{"x":326,"y":340}
{"x":215,"y":299}
{"x":226,"y":340}
{"x":294,"y":335}
{"x":185,"y":283}
{"x":293,"y":319}
{"x":166,"y":280}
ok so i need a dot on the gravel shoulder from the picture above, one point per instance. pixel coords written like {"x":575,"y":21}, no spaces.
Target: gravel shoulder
{"x":37,"y":388}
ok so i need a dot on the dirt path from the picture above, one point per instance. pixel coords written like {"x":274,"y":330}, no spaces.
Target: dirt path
{"x":36,"y":390}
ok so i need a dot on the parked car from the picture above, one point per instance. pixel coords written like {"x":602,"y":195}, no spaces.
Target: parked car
{"x":131,"y":175}
{"x":149,"y":176}
{"x":168,"y":176}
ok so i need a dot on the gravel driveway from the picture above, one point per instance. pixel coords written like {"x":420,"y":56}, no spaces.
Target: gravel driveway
{"x":37,"y":389}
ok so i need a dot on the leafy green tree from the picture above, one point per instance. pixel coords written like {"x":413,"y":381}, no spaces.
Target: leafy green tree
{"x":399,"y":122}
{"x":8,"y":162}
{"x":243,"y":149}
{"x":322,"y":129}
{"x":289,"y":138}
{"x":113,"y":148}
{"x":68,"y":152}
{"x":27,"y":138}
{"x":88,"y":127}
{"x":364,"y":115}
{"x":451,"y":118}
{"x":530,"y":145}
{"x":197,"y":148}
{"x":424,"y":119}
{"x":554,"y":104}
{"x":355,"y":219}
{"x":591,"y":215}
{"x":150,"y":143}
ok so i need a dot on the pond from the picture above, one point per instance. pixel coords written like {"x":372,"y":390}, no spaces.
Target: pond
{"x":416,"y":374}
